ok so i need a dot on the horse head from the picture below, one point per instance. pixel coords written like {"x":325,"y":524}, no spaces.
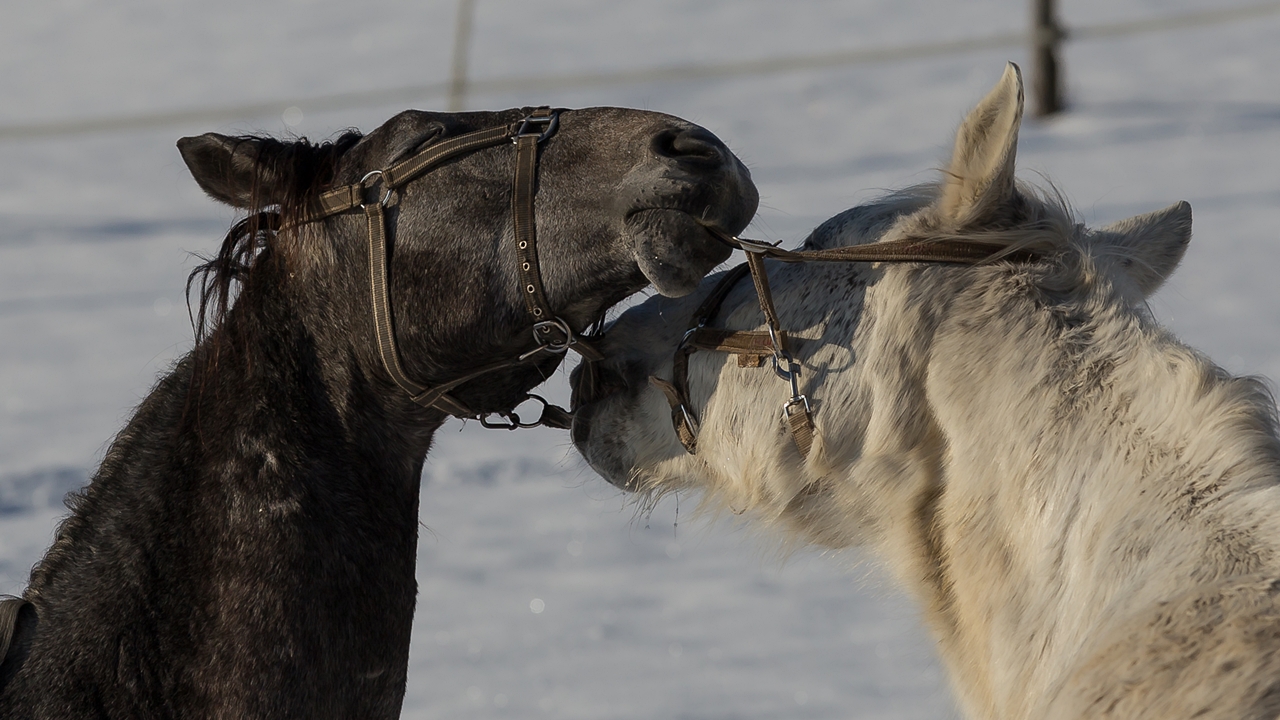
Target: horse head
{"x":624,"y":198}
{"x":874,"y":344}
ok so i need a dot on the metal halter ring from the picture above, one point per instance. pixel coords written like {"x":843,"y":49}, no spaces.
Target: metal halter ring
{"x":385,"y":197}
{"x":684,"y":339}
{"x":542,"y":327}
{"x":780,"y":356}
{"x":552,"y":122}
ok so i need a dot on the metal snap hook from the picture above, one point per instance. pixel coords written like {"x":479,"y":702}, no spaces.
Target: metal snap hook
{"x":796,"y":400}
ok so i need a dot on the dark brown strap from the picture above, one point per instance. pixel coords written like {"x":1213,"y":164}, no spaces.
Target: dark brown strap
{"x":438,"y":396}
{"x":739,"y":342}
{"x":711,"y":304}
{"x":760,"y":278}
{"x":796,"y":410}
{"x":524,"y":188}
{"x":384,"y":325}
{"x":682,"y":418}
{"x":415,"y":166}
{"x":350,"y":197}
{"x":752,"y":346}
{"x":554,"y":416}
{"x":910,"y":250}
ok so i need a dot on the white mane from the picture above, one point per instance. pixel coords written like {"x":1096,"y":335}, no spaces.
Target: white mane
{"x":1087,"y":510}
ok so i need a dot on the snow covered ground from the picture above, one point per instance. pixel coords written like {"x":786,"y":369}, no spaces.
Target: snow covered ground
{"x":542,"y":592}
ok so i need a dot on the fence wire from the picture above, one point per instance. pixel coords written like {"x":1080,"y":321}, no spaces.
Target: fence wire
{"x":672,"y":73}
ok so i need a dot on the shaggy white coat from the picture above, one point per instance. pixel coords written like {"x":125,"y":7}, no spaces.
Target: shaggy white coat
{"x":1087,"y":510}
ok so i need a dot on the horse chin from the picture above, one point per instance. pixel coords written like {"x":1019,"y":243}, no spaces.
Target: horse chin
{"x":590,"y":395}
{"x":673,"y":250}
{"x":610,"y":468}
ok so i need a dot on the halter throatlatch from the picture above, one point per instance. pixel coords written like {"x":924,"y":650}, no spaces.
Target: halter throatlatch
{"x":753,"y":346}
{"x":551,"y":333}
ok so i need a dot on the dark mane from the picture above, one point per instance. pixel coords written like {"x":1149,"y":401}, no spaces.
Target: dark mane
{"x":300,"y":170}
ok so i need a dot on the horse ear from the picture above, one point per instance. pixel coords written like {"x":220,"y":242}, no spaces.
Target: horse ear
{"x":233,"y":170}
{"x":1149,"y":247}
{"x":979,"y":180}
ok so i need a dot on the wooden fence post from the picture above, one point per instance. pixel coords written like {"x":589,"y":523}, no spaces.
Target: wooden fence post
{"x":461,"y":49}
{"x":1046,"y":39}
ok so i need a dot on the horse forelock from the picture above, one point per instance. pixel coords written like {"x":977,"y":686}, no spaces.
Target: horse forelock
{"x":299,"y":170}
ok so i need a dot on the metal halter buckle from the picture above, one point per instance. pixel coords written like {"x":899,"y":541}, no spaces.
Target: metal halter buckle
{"x":543,"y":327}
{"x":386,"y":196}
{"x":551,"y":122}
{"x":511,"y":419}
{"x":684,"y":339}
{"x":548,"y":345}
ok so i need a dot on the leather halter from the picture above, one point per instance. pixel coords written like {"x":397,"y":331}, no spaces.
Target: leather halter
{"x":551,"y":334}
{"x":753,"y":346}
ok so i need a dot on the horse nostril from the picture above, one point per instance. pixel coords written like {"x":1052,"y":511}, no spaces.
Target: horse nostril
{"x":692,"y":146}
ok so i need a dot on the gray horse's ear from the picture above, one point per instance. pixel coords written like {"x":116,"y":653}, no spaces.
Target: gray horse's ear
{"x":1149,"y":247}
{"x":233,"y":170}
{"x":979,"y":180}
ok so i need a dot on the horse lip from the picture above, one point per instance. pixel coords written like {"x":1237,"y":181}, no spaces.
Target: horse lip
{"x":713,"y":228}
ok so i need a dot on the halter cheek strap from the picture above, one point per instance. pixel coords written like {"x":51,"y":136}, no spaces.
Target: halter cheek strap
{"x":752,"y":346}
{"x":551,"y":334}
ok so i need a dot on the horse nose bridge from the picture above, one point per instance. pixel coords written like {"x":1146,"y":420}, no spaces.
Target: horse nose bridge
{"x":692,"y":147}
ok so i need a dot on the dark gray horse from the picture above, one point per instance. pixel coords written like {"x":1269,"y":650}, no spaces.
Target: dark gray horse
{"x":247,"y":548}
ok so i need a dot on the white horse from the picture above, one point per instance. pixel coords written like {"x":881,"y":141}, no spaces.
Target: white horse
{"x":1087,"y":509}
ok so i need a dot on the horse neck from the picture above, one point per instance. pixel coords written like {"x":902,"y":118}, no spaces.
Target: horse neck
{"x":1092,"y":466}
{"x":260,"y":502}
{"x":310,"y":349}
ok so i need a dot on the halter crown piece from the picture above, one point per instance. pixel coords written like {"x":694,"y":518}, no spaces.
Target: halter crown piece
{"x":551,"y":334}
{"x":753,"y":346}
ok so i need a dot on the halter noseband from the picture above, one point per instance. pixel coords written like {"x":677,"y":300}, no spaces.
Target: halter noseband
{"x":753,"y":346}
{"x":551,"y":333}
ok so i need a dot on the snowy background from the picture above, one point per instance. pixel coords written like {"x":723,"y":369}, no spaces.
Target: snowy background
{"x":543,"y":594}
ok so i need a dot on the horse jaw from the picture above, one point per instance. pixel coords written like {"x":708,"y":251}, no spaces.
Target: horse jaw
{"x":672,"y":249}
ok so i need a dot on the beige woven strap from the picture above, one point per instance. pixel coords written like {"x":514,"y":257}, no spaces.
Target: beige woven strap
{"x":800,"y":423}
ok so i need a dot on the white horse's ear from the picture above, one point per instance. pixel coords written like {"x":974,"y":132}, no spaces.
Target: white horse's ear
{"x":979,"y":180}
{"x":1149,"y":247}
